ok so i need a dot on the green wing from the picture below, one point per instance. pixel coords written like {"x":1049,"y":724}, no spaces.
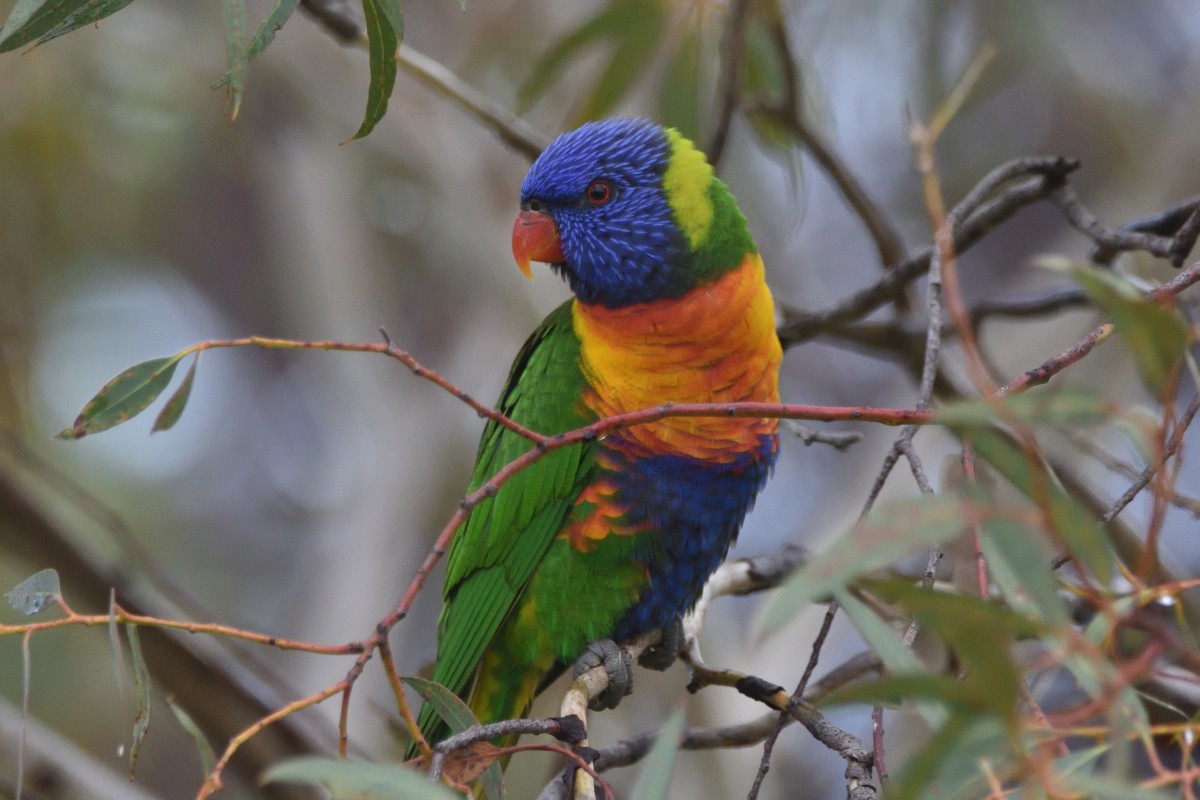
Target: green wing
{"x":492,"y":557}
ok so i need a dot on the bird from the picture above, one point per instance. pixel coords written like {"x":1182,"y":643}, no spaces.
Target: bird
{"x":614,"y":536}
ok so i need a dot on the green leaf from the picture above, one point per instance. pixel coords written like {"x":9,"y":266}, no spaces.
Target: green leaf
{"x":114,"y":644}
{"x":889,"y":533}
{"x":208,"y":759}
{"x":952,"y":754}
{"x":1022,"y":571}
{"x":265,"y":34}
{"x":42,"y":20}
{"x":352,"y":780}
{"x":679,"y":98}
{"x":654,"y":781}
{"x":886,"y":642}
{"x":234,"y":13}
{"x":458,"y":717}
{"x":992,"y":677}
{"x":141,"y":682}
{"x":613,"y":22}
{"x":173,"y":409}
{"x":635,"y":49}
{"x":1156,"y":336}
{"x":1046,"y":405}
{"x":124,"y":397}
{"x":32,"y":595}
{"x":1069,"y":518}
{"x":385,"y":29}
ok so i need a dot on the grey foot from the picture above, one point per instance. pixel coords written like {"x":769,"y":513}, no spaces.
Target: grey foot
{"x":663,"y":654}
{"x":618,"y":665}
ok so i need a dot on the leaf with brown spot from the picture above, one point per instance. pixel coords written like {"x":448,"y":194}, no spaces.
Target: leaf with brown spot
{"x":123,"y":397}
{"x":467,"y":763}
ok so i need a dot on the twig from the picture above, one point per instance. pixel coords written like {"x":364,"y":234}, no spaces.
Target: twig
{"x":631,"y":751}
{"x":1147,"y":474}
{"x":835,"y":439}
{"x":1177,"y":221}
{"x":883,"y":233}
{"x":567,"y":729}
{"x":978,"y":218}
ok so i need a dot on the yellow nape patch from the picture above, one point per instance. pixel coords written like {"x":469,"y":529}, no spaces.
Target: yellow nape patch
{"x":686,"y":183}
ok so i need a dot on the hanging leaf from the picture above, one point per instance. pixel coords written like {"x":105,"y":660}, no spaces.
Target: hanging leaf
{"x":234,"y":13}
{"x":141,"y":683}
{"x":173,"y":409}
{"x":32,"y":595}
{"x":114,"y":644}
{"x":635,"y":49}
{"x":352,"y":779}
{"x":679,"y":98}
{"x":384,"y":22}
{"x":1156,"y":336}
{"x":265,"y":34}
{"x":124,"y":397}
{"x":42,"y":20}
{"x":620,"y":20}
{"x":458,"y":717}
{"x":208,"y":759}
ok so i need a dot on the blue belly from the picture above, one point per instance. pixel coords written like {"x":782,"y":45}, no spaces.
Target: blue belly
{"x":692,"y":512}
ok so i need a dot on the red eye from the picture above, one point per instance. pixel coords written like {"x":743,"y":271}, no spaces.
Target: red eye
{"x":598,"y":193}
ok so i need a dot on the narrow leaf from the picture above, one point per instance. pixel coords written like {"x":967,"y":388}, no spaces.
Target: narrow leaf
{"x":141,"y":681}
{"x":123,"y":397}
{"x":114,"y":644}
{"x":234,"y":13}
{"x":359,"y":780}
{"x":26,"y":681}
{"x":32,"y":595}
{"x":886,"y":535}
{"x":173,"y":409}
{"x":42,"y":20}
{"x":679,"y":98}
{"x":1156,"y":336}
{"x":280,"y":12}
{"x":635,"y":48}
{"x":1022,"y":571}
{"x":458,"y":717}
{"x":609,"y":23}
{"x":385,"y":29}
{"x":1046,"y":405}
{"x":1069,"y":518}
{"x":654,"y":781}
{"x":208,"y":759}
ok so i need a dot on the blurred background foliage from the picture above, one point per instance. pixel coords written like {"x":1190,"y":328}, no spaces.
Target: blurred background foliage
{"x":300,"y":490}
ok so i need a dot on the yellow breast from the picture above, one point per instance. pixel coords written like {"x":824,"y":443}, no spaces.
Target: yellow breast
{"x":715,"y":344}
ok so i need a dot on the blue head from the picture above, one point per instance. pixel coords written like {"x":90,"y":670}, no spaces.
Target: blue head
{"x":627,"y":212}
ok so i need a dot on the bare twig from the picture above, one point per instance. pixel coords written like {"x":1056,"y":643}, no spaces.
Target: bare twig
{"x":1147,"y":474}
{"x":978,"y":218}
{"x":838,"y":440}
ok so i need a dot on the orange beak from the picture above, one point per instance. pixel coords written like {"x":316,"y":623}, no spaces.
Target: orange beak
{"x":535,"y":238}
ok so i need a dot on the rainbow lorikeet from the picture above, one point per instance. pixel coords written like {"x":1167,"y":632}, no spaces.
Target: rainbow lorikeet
{"x":615,"y":537}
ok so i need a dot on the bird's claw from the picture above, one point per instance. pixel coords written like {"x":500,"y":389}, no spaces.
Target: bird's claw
{"x":616,"y":662}
{"x":662,"y":655}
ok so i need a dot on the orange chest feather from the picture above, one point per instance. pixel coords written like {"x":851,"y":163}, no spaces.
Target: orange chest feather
{"x":715,"y":344}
